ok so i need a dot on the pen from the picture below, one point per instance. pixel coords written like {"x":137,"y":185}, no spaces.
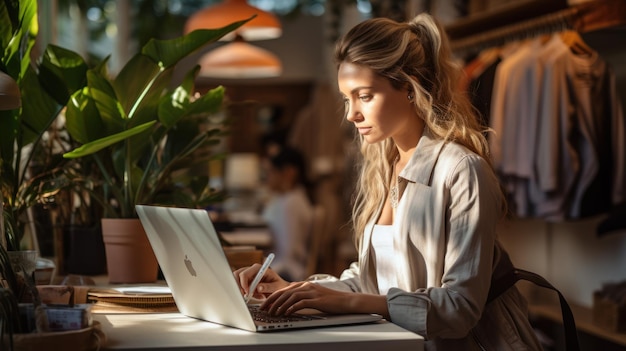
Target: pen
{"x":259,"y":275}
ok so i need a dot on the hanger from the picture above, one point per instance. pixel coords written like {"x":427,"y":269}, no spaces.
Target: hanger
{"x":576,"y":43}
{"x":489,"y":54}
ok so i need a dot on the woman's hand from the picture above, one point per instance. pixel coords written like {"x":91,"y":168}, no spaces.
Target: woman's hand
{"x":301,"y":295}
{"x":270,"y":282}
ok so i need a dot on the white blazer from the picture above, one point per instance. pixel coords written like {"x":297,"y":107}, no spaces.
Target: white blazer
{"x":447,"y":251}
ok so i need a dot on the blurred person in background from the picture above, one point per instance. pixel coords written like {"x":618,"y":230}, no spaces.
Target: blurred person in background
{"x":288,"y":211}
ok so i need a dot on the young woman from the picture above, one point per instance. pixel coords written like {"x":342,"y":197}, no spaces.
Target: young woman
{"x":427,"y":201}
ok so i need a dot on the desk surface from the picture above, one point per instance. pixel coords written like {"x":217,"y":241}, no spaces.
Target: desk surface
{"x":173,"y":331}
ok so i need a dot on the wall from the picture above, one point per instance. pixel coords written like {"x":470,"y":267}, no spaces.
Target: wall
{"x":301,"y":48}
{"x":570,"y":254}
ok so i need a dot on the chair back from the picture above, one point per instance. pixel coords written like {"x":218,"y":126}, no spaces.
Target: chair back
{"x":316,"y":239}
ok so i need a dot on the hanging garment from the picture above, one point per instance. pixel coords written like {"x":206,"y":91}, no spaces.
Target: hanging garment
{"x":480,"y":75}
{"x":580,"y":111}
{"x":514,"y":115}
{"x":559,"y":136}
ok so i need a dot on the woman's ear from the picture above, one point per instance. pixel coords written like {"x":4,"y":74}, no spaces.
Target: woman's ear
{"x":410,"y":89}
{"x":410,"y":94}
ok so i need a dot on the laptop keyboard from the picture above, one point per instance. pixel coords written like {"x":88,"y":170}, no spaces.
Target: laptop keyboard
{"x":262,"y":316}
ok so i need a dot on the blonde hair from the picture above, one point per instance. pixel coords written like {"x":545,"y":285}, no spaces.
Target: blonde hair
{"x":417,"y":54}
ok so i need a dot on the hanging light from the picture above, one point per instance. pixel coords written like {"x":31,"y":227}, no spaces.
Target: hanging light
{"x":239,"y":60}
{"x":10,"y":97}
{"x":264,"y":26}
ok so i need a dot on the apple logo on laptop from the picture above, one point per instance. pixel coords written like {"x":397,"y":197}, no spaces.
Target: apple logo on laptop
{"x":189,"y":266}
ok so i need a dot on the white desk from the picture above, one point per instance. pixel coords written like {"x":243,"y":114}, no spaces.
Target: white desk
{"x":173,"y":331}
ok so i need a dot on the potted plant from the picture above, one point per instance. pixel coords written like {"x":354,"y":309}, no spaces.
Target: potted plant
{"x":22,"y":129}
{"x":142,"y":134}
{"x":45,"y":89}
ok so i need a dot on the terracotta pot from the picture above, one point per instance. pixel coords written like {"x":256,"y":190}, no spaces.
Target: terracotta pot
{"x":129,"y":256}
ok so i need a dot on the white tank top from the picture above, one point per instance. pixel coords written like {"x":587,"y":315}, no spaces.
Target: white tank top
{"x":382,"y":244}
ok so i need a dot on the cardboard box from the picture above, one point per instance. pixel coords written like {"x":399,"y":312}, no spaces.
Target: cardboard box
{"x":608,"y":314}
{"x":242,"y":256}
{"x":56,"y":294}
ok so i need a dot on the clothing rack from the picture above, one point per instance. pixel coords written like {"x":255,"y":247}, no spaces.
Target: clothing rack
{"x":586,"y":17}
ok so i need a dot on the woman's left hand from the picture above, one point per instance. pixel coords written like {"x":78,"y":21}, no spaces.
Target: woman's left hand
{"x":306,"y":295}
{"x":301,"y":295}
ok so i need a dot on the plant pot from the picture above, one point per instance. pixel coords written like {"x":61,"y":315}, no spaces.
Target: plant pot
{"x":129,"y":256}
{"x":84,"y":250}
{"x":23,"y":263}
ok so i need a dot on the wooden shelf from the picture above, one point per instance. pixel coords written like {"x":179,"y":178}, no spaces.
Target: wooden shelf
{"x":501,"y":16}
{"x":583,"y":318}
{"x":601,"y":14}
{"x":477,"y":32}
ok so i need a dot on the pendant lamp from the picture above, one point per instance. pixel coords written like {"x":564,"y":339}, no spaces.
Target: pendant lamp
{"x":239,"y":60}
{"x":10,"y":97}
{"x":264,"y":26}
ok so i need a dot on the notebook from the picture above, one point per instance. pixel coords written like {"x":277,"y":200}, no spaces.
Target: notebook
{"x":203,"y":286}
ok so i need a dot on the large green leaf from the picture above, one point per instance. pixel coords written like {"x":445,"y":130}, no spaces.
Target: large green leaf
{"x":167,"y":53}
{"x":79,"y":107}
{"x":140,"y":85}
{"x":38,"y":109}
{"x":210,"y":102}
{"x":175,"y":104}
{"x":140,"y":146}
{"x":21,"y":39}
{"x":94,"y":112}
{"x":17,"y":18}
{"x":178,"y":105}
{"x":9,"y":17}
{"x":110,"y":111}
{"x":62,"y":72}
{"x":97,"y":145}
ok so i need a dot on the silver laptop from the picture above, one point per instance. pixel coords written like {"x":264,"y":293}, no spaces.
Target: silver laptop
{"x":200,"y":278}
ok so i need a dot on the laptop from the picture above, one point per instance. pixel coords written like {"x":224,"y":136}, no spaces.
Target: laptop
{"x":203,"y":286}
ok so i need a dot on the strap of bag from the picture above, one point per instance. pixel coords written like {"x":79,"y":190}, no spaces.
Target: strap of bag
{"x":503,"y":283}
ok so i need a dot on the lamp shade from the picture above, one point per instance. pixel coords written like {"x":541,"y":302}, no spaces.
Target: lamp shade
{"x":239,"y":60}
{"x":264,"y":26}
{"x":10,"y":97}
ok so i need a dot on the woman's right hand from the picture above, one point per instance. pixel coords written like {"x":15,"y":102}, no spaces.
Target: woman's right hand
{"x":270,"y":282}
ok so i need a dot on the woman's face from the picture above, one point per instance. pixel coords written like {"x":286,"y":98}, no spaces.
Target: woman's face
{"x":377,"y":109}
